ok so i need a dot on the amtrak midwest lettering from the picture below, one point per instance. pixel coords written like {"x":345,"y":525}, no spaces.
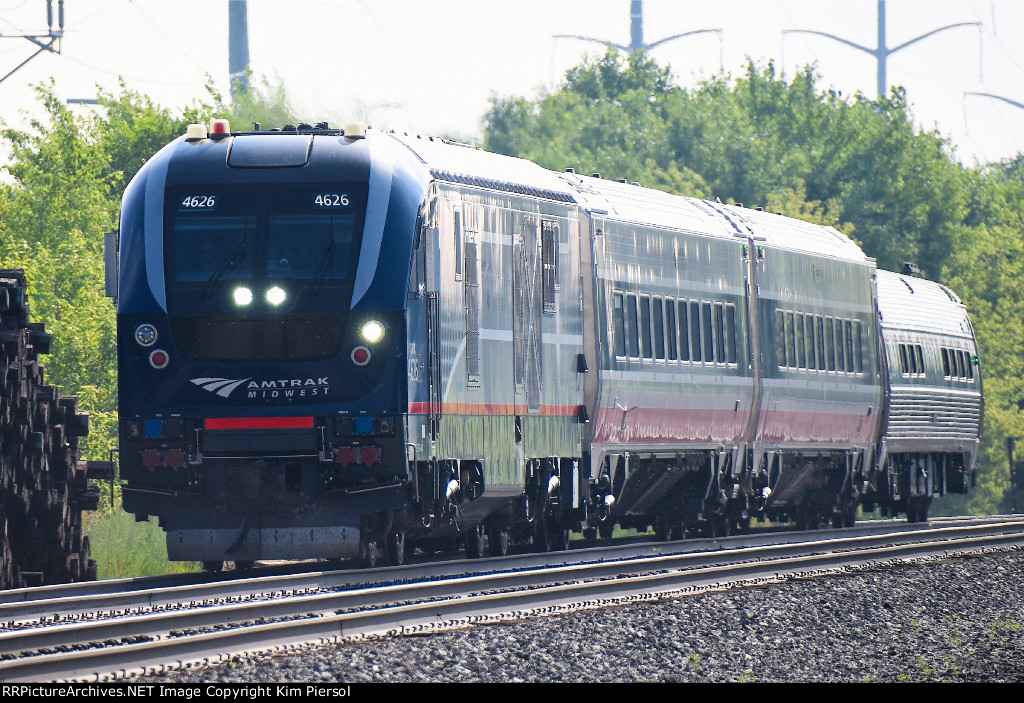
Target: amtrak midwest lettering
{"x":288,"y":388}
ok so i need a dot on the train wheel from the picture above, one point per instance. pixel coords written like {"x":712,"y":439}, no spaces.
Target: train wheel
{"x":474,"y":541}
{"x":213,"y":566}
{"x":917,"y":508}
{"x":606,"y":530}
{"x":542,"y":538}
{"x":662,"y":527}
{"x":850,"y":516}
{"x":559,"y":538}
{"x":370,"y":555}
{"x":678,"y":529}
{"x":721,"y":526}
{"x":807,"y":519}
{"x":7,"y":565}
{"x":244,"y":565}
{"x":497,"y":539}
{"x":394,"y":549}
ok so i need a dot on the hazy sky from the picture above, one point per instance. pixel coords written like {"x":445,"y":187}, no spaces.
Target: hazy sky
{"x":429,"y":66}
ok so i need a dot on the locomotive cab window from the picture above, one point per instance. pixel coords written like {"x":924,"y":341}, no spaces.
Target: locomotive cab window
{"x":261,"y":273}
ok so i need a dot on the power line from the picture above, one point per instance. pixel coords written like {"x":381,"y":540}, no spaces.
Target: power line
{"x":48,"y":41}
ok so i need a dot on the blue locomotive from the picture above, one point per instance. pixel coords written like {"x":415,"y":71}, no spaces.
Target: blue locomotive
{"x":346,"y":343}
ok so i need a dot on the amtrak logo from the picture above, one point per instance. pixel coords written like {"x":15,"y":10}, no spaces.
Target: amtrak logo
{"x":283,"y":388}
{"x":221,"y":386}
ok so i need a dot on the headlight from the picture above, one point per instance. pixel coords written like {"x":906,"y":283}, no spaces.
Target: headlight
{"x":372,"y":331}
{"x":243,"y":296}
{"x":276,"y":295}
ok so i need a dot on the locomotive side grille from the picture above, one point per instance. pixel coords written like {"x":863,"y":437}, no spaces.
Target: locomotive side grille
{"x":916,"y":413}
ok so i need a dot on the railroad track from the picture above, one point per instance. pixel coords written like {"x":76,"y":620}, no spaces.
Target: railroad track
{"x":64,"y":633}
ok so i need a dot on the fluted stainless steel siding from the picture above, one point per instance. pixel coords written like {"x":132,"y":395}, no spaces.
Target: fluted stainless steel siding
{"x":946,"y":411}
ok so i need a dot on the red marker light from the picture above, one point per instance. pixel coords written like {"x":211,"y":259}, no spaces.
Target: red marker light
{"x":361,"y":356}
{"x":219,"y":128}
{"x":158,"y":359}
{"x":151,"y":459}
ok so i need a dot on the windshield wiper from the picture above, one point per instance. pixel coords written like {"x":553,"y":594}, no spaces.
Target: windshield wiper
{"x":326,"y":260}
{"x":234,"y":258}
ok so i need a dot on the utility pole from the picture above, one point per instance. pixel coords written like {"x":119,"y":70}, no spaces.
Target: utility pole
{"x":48,"y":41}
{"x":238,"y":47}
{"x":881,"y":52}
{"x":636,"y":33}
{"x":1010,"y":444}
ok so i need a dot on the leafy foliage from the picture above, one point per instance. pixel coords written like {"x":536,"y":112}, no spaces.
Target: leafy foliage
{"x":851,"y":162}
{"x":269,"y":105}
{"x":755,"y":140}
{"x":857,"y":164}
{"x":68,"y":172}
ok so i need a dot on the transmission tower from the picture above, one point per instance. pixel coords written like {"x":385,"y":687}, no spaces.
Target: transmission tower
{"x":46,"y":41}
{"x":881,"y":52}
{"x":636,"y":33}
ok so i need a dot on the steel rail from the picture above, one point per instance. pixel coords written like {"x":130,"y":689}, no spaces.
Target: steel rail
{"x":63,"y":603}
{"x":298,"y":576}
{"x":453,"y":602}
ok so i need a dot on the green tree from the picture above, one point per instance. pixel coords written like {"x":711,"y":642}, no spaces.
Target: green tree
{"x":987,"y":271}
{"x":609,"y":118}
{"x":753,"y":140}
{"x":268,"y":104}
{"x":131,"y":128}
{"x":899,"y":187}
{"x":54,"y":214}
{"x":851,"y":162}
{"x":68,"y":172}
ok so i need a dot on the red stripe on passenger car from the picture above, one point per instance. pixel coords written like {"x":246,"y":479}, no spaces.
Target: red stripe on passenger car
{"x":259,"y":423}
{"x":419,"y":408}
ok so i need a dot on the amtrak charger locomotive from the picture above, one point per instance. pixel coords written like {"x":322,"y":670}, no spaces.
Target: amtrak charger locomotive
{"x":346,"y":343}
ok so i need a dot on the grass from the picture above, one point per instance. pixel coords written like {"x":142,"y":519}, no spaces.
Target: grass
{"x":124,"y":548}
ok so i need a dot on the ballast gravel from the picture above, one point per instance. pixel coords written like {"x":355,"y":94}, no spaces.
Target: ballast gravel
{"x":959,"y":619}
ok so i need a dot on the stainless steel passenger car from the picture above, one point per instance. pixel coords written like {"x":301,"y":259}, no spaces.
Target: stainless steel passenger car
{"x":933,"y":394}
